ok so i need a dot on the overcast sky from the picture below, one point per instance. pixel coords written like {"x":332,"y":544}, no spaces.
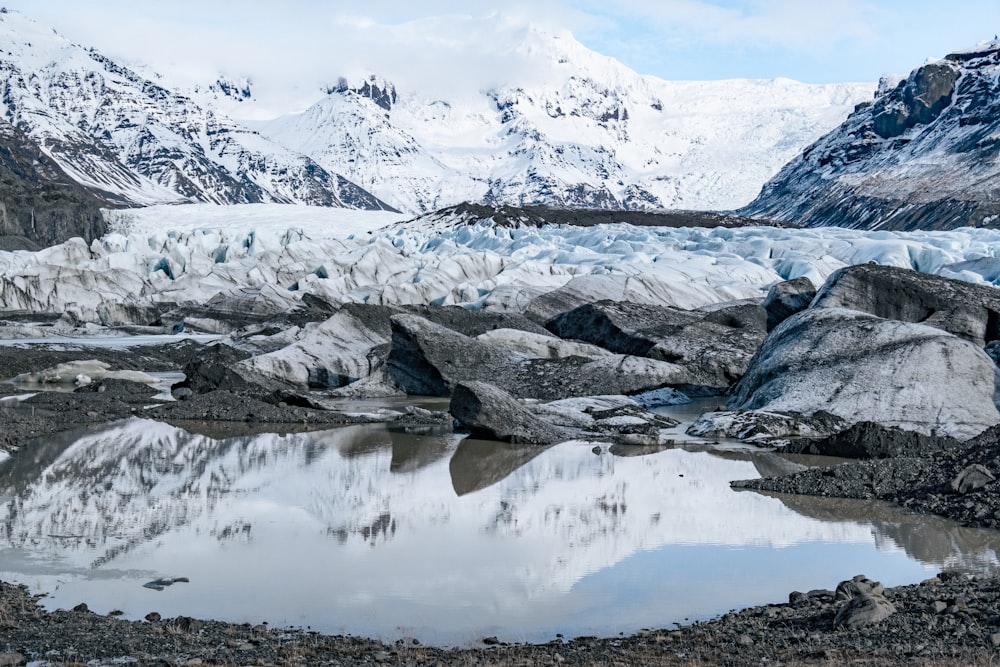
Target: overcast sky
{"x":809,"y":40}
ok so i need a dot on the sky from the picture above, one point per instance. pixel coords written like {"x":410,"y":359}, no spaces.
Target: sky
{"x":309,"y":40}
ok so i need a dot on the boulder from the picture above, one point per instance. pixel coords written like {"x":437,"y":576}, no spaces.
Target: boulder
{"x":713,"y":346}
{"x":972,"y":478}
{"x":862,"y":610}
{"x":969,"y":311}
{"x":863,"y":368}
{"x":786,"y":298}
{"x":429,"y":359}
{"x":866,"y":440}
{"x":493,"y":414}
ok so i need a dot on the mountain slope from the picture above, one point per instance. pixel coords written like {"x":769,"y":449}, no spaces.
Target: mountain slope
{"x":39,"y":203}
{"x":113,"y":131}
{"x":582,"y":131}
{"x":924,"y":155}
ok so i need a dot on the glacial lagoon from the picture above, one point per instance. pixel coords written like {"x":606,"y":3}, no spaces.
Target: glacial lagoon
{"x":393,"y":534}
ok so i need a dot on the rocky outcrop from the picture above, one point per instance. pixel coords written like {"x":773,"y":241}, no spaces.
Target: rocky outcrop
{"x":969,"y":311}
{"x":493,"y":414}
{"x":863,"y":368}
{"x":429,"y":359}
{"x":786,"y":298}
{"x":921,"y":156}
{"x":712,"y":346}
{"x":40,"y":205}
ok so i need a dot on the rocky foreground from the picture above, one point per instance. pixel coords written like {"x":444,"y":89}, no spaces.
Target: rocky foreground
{"x":946,"y":620}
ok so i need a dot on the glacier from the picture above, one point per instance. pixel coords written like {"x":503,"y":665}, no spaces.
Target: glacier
{"x":188,"y":255}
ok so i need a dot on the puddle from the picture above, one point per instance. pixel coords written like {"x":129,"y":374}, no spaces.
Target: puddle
{"x":369,"y":531}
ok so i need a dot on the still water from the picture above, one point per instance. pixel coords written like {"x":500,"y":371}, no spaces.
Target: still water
{"x":369,"y":531}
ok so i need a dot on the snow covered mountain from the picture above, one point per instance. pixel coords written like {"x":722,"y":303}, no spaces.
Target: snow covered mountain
{"x":582,"y":130}
{"x":924,"y":155}
{"x":134,"y":142}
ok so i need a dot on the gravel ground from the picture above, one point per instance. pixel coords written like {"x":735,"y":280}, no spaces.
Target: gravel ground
{"x":947,"y":620}
{"x":928,"y":484}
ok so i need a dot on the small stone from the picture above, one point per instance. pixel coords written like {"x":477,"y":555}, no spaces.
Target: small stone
{"x":745,"y":640}
{"x":596,"y":450}
{"x":382,"y":656}
{"x":938,"y":607}
{"x":81,"y":607}
{"x":995,"y":639}
{"x":153,"y":616}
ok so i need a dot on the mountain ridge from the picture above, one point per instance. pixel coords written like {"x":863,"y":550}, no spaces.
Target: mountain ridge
{"x":925,"y":154}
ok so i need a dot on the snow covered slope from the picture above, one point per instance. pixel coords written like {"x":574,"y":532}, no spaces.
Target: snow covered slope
{"x":582,"y":130}
{"x":924,"y":155}
{"x":134,"y":142}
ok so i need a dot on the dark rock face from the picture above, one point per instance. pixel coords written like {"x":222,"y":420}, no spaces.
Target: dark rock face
{"x":866,"y":440}
{"x":916,"y":101}
{"x":876,"y":169}
{"x":39,"y":203}
{"x":969,"y":311}
{"x":714,"y":347}
{"x":494,"y":414}
{"x":429,"y":359}
{"x":787,"y":298}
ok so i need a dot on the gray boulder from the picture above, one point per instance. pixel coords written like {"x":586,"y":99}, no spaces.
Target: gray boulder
{"x":786,"y":298}
{"x":429,"y":359}
{"x":972,"y":478}
{"x":493,"y":414}
{"x":713,"y":346}
{"x":969,"y":311}
{"x":863,"y":368}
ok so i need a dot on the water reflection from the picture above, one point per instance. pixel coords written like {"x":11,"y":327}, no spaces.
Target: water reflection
{"x":382,"y":532}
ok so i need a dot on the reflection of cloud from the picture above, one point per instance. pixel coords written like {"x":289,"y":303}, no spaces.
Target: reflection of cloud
{"x":332,"y":524}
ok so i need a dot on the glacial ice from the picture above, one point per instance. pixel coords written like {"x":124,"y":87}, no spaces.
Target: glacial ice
{"x":171,"y":257}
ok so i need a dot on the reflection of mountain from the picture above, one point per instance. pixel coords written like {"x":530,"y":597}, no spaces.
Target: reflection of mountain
{"x":929,"y":539}
{"x":332,"y":521}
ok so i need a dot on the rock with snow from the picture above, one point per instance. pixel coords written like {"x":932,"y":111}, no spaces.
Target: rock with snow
{"x":713,"y":346}
{"x":863,"y":368}
{"x":332,"y":353}
{"x":541,"y":346}
{"x":429,"y":359}
{"x":80,"y":373}
{"x":968,"y":311}
{"x":922,"y":155}
{"x":765,"y":427}
{"x":786,"y":298}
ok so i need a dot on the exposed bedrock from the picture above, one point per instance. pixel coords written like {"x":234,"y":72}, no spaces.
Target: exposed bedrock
{"x":713,"y":346}
{"x":863,"y":368}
